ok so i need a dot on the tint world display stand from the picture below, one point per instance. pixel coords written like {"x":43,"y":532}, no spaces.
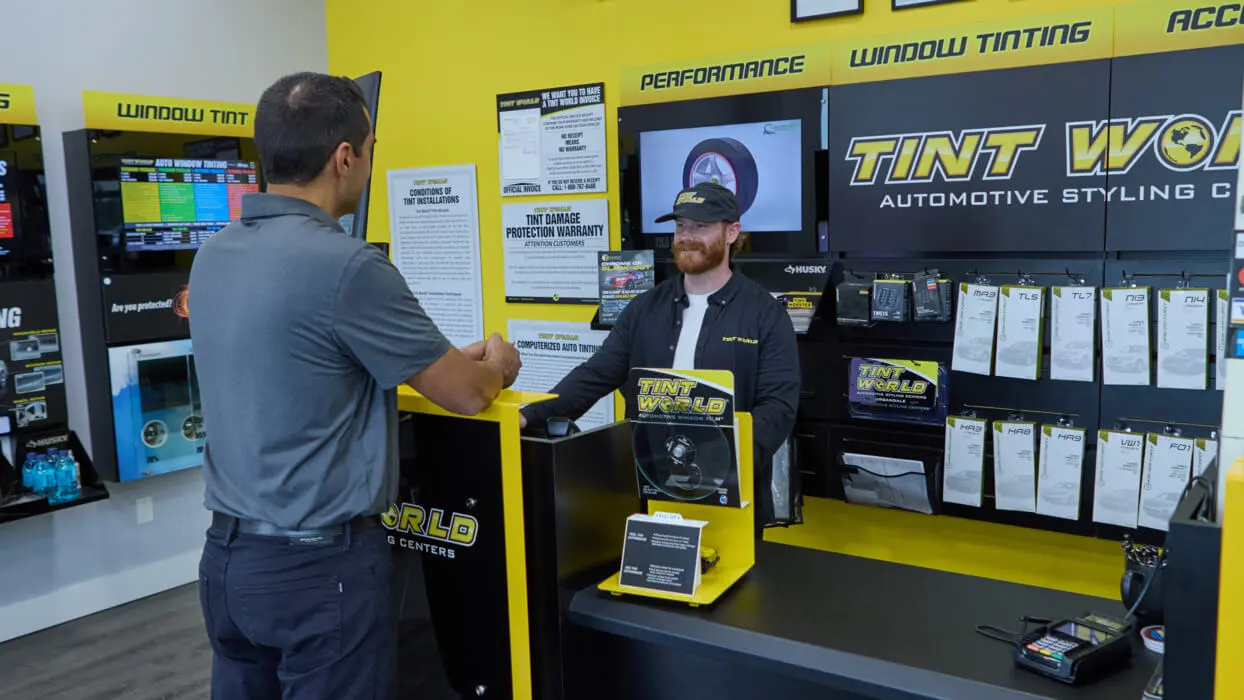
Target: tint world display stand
{"x":34,"y":413}
{"x":492,"y":536}
{"x":150,"y":180}
{"x":730,"y":531}
{"x":463,"y":512}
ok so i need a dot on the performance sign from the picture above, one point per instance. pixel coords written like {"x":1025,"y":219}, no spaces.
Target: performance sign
{"x":988,"y":161}
{"x":553,"y":141}
{"x":551,"y":250}
{"x":735,"y":74}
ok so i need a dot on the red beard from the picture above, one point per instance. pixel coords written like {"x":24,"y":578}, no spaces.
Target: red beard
{"x":694,"y":257}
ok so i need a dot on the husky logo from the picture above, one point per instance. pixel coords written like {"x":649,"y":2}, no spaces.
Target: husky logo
{"x":11,"y":317}
{"x":924,"y":157}
{"x":1181,"y":143}
{"x":806,"y":269}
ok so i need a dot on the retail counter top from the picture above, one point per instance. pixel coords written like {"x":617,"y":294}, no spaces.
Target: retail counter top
{"x":871,"y":628}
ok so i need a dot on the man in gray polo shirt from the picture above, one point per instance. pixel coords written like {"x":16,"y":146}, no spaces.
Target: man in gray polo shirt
{"x":301,"y":337}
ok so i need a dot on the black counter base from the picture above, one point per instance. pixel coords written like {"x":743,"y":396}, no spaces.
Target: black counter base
{"x":811,"y":624}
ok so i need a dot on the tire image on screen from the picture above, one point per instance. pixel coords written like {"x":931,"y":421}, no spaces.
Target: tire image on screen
{"x":726,"y":162}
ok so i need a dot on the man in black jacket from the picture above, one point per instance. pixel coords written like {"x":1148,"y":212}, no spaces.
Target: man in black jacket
{"x":709,"y":317}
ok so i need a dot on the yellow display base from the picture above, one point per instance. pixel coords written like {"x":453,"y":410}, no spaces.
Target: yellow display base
{"x":1054,"y":560}
{"x":713,"y":585}
{"x":730,"y":531}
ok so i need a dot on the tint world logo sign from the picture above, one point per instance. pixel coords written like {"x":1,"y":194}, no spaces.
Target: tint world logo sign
{"x":1181,"y":143}
{"x":991,"y":154}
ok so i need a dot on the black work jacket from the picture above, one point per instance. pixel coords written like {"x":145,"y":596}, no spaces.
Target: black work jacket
{"x":745,"y":330}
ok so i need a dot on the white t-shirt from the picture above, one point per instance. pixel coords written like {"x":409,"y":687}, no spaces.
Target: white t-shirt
{"x":692,"y":320}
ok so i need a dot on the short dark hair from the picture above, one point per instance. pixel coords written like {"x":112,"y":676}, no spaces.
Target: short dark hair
{"x":301,"y":120}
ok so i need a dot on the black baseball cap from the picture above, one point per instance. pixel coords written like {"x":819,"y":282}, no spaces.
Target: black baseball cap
{"x":707,"y":202}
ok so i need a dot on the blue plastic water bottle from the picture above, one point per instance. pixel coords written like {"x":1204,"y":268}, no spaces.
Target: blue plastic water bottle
{"x":28,"y":472}
{"x":45,"y":479}
{"x":66,"y":477}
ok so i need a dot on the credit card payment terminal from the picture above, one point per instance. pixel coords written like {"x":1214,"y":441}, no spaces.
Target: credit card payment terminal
{"x":1076,"y":650}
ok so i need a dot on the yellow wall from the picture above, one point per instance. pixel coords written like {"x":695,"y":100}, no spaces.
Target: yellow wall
{"x":445,"y":61}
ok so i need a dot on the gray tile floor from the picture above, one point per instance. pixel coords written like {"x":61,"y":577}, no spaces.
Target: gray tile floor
{"x":156,"y":649}
{"x":152,"y":649}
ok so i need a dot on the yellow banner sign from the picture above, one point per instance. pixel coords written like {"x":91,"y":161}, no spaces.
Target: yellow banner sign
{"x":735,"y":74}
{"x":1155,"y":27}
{"x":121,"y":112}
{"x":1077,"y":36}
{"x":17,"y":104}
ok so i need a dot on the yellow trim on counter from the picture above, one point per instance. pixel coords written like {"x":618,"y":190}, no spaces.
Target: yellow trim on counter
{"x":1053,"y":560}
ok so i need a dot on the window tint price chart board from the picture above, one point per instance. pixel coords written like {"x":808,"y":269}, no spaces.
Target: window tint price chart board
{"x":174,"y":204}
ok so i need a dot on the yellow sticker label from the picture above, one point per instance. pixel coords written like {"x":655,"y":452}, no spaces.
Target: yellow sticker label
{"x":1154,"y":27}
{"x":1062,"y":38}
{"x":122,"y":112}
{"x":734,"y":74}
{"x":17,"y":104}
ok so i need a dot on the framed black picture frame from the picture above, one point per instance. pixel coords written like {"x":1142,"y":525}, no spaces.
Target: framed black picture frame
{"x":896,"y":5}
{"x":804,"y":10}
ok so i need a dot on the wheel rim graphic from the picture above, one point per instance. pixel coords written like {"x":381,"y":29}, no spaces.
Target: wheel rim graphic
{"x":714,"y":167}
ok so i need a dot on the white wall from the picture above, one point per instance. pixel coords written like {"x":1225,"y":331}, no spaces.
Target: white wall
{"x":61,"y":566}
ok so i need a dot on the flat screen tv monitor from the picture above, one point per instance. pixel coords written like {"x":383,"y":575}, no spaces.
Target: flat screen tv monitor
{"x":761,"y":162}
{"x":158,"y":197}
{"x":25,"y":235}
{"x":356,"y":224}
{"x":179,"y":203}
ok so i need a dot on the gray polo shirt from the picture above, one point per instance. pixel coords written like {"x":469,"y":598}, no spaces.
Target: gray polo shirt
{"x":301,"y":335}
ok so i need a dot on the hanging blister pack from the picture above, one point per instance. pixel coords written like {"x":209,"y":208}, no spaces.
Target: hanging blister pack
{"x":854,"y":303}
{"x":890,"y":299}
{"x":930,"y":297}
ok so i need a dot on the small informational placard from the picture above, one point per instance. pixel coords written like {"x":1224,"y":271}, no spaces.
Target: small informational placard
{"x":1204,"y":455}
{"x":974,"y":329}
{"x":550,"y":349}
{"x":1062,"y":463}
{"x":1020,"y":310}
{"x":1168,"y":469}
{"x":1073,"y":321}
{"x":551,"y":250}
{"x":1183,"y":338}
{"x":1221,"y":328}
{"x":434,"y":227}
{"x":683,"y":435}
{"x":964,"y":461}
{"x":1125,"y":335}
{"x":1015,"y":466}
{"x":553,"y":141}
{"x":621,"y":276}
{"x":1116,"y":497}
{"x":662,"y":553}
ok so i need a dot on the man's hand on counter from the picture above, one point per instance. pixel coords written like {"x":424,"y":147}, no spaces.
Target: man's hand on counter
{"x":503,"y":356}
{"x":474,"y":351}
